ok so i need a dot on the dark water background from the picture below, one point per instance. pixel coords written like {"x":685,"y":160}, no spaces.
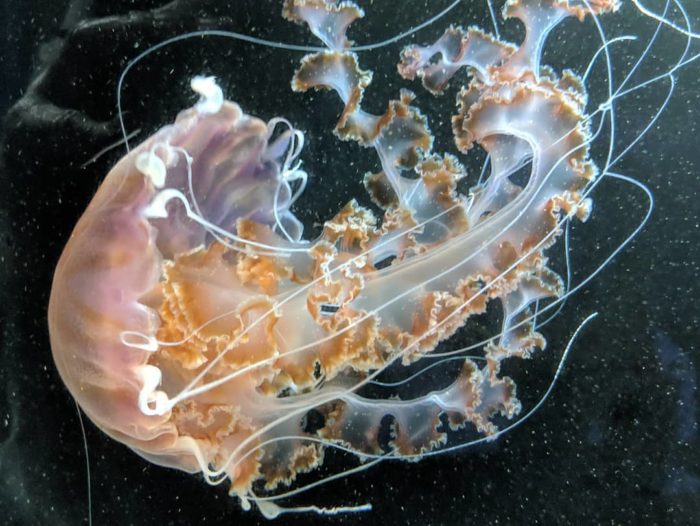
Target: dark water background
{"x":617,"y":442}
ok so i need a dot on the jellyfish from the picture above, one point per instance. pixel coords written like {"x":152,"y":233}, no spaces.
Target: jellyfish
{"x":193,"y":321}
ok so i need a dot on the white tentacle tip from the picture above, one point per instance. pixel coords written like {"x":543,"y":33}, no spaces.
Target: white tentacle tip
{"x":212,"y":97}
{"x":152,"y":402}
{"x":150,"y":165}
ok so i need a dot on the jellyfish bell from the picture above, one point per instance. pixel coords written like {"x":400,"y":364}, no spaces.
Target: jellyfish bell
{"x":192,"y":322}
{"x":102,"y":324}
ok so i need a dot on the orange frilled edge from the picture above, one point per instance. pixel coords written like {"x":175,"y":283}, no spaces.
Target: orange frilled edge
{"x":236,"y":313}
